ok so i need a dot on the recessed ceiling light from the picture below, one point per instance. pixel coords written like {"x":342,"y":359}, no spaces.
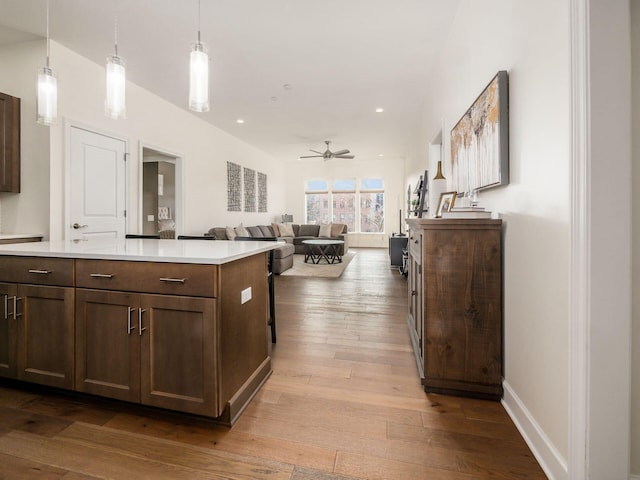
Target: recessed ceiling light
{"x":239,"y":120}
{"x":379,"y":110}
{"x":381,"y":154}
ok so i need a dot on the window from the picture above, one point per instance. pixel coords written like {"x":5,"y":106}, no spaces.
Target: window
{"x":372,"y":205}
{"x":317,"y":202}
{"x":362,"y":210}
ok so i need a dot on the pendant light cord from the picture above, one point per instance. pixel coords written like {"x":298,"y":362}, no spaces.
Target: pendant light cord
{"x":198,"y":21}
{"x":115,"y":27}
{"x":47,"y":33}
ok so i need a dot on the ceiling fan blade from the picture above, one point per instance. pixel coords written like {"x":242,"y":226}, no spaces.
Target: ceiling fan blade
{"x":311,"y":156}
{"x":315,"y":151}
{"x":340,"y":152}
{"x":344,"y":156}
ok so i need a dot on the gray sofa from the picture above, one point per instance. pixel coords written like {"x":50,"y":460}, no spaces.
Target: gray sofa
{"x":283,"y":255}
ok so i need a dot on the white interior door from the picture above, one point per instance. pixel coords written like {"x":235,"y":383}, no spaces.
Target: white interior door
{"x":96,"y":186}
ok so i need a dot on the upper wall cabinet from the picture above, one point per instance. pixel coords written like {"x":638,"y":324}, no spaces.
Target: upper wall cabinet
{"x":9,"y":143}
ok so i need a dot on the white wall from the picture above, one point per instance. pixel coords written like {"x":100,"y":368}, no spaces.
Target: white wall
{"x":27,"y":211}
{"x":391,"y":170}
{"x":157,"y":123}
{"x":530,"y":40}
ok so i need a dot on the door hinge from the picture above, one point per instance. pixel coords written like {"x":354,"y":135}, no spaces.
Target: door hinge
{"x":125,"y":214}
{"x":126,"y":156}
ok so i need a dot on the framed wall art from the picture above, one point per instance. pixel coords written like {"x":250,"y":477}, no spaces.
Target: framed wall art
{"x":480,"y":140}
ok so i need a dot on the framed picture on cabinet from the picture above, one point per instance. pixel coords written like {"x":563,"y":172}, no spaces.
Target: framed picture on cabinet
{"x":447,"y":199}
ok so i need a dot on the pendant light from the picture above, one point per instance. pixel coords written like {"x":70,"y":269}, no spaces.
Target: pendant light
{"x":199,"y":75}
{"x":47,"y":90}
{"x":114,"y":105}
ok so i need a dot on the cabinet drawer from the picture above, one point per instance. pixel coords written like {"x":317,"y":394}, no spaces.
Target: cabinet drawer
{"x":415,"y":246}
{"x":148,"y":277}
{"x":37,"y":270}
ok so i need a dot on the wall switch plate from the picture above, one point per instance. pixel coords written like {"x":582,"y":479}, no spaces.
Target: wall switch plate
{"x":150,"y":218}
{"x":245,"y":295}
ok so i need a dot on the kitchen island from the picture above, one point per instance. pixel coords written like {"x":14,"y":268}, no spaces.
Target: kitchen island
{"x":180,"y":325}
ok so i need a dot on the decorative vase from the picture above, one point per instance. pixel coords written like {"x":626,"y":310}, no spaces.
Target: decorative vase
{"x":438,"y":187}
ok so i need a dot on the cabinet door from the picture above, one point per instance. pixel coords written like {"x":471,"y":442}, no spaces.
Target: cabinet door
{"x":9,"y":143}
{"x":178,"y":354}
{"x":45,"y":335}
{"x":8,"y":331}
{"x":108,"y":344}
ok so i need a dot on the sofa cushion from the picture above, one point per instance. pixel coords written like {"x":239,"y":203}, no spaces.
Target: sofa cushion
{"x":285,"y":230}
{"x":325,"y":230}
{"x":255,"y":232}
{"x":219,"y":233}
{"x":276,"y":230}
{"x":308,"y":231}
{"x":267,"y":231}
{"x":337,"y":229}
{"x":241,"y":231}
{"x":283,"y":250}
{"x":231,"y":233}
{"x":296,"y":229}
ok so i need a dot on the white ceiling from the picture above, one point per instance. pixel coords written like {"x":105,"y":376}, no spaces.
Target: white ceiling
{"x":342,"y":59}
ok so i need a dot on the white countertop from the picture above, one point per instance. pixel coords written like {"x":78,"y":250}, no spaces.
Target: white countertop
{"x":12,"y":236}
{"x":215,"y":252}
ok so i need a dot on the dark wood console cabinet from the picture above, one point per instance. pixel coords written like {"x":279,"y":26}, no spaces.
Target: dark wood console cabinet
{"x":455,"y":305}
{"x":9,"y":143}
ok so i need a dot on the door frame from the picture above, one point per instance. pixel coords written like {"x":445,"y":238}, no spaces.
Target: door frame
{"x":68,"y":125}
{"x":179,"y":194}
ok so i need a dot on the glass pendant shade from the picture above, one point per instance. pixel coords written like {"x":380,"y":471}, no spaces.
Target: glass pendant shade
{"x":199,"y":79}
{"x":116,"y":81}
{"x":47,"y":109}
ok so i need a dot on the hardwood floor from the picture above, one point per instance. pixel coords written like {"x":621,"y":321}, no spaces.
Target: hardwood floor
{"x":344,"y":402}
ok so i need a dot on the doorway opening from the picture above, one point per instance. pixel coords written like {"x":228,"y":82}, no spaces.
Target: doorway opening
{"x":161,"y":193}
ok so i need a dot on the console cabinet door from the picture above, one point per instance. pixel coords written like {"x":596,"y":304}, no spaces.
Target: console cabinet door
{"x":108,"y":344}
{"x":8,"y":331}
{"x":45,"y":335}
{"x":178,"y":354}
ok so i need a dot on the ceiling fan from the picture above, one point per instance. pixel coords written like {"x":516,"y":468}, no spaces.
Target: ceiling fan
{"x":328,"y":154}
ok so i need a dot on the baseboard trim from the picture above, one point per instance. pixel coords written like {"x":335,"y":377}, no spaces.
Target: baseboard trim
{"x":554,"y":466}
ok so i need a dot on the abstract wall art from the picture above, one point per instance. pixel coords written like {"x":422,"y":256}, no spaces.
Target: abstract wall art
{"x":262,"y":192}
{"x":480,"y":140}
{"x":249,"y":190}
{"x":234,"y":187}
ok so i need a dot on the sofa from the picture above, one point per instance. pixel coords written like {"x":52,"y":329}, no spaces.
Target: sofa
{"x":292,"y":234}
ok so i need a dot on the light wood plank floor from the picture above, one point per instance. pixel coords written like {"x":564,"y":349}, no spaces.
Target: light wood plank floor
{"x":344,"y":402}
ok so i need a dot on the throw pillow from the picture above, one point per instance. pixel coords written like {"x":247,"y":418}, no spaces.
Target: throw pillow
{"x":325,"y":230}
{"x":241,"y":231}
{"x":266,"y":231}
{"x":308,"y":231}
{"x":231,"y":233}
{"x":285,"y":230}
{"x":336,"y":229}
{"x":255,"y":232}
{"x":276,"y":230}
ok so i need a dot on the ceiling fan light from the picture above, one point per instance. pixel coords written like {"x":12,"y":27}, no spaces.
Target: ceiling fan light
{"x":199,"y":78}
{"x":116,"y":83}
{"x":47,"y":108}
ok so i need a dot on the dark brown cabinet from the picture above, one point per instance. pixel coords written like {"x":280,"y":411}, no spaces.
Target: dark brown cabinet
{"x":455,"y":305}
{"x":9,"y":143}
{"x":36,"y":336}
{"x":151,"y":349}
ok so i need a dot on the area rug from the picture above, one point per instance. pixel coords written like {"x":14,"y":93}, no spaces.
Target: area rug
{"x":301,"y":269}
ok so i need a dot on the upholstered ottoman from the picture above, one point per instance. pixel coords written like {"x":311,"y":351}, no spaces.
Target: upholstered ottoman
{"x":283,"y":257}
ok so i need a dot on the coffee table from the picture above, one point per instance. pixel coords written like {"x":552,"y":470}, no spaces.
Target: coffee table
{"x":317,"y":250}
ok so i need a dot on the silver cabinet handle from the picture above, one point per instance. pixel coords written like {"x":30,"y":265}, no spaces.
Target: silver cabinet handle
{"x":129,"y":326}
{"x":76,"y":226}
{"x":101,"y":275}
{"x":40,"y":272}
{"x":172,"y":280}
{"x":15,"y":307}
{"x":140,"y":329}
{"x":6,"y":306}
